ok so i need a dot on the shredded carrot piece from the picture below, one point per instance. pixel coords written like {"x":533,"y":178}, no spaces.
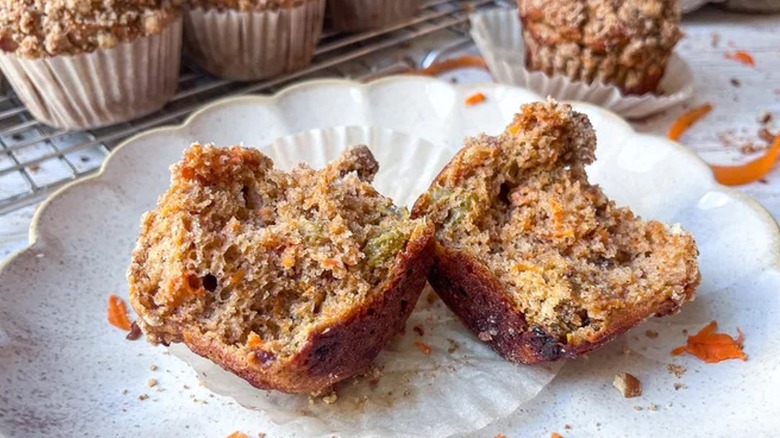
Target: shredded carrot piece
{"x":500,"y":435}
{"x":423,"y":346}
{"x":682,"y":123}
{"x":713,"y":347}
{"x":556,"y":435}
{"x":237,"y":434}
{"x":254,"y":341}
{"x":750,"y":171}
{"x":117,"y":313}
{"x":452,"y":64}
{"x":475,"y":99}
{"x":741,"y":56}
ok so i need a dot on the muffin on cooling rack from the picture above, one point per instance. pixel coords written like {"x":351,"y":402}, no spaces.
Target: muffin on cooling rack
{"x":85,"y":64}
{"x":624,"y":43}
{"x":537,"y":261}
{"x":293,"y":281}
{"x":360,"y":15}
{"x":248,"y":40}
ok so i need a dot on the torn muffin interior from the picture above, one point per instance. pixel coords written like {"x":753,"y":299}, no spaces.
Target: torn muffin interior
{"x":253,"y":256}
{"x":575,"y":265}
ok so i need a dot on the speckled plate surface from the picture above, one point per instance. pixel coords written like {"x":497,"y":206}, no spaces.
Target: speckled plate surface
{"x":66,"y":372}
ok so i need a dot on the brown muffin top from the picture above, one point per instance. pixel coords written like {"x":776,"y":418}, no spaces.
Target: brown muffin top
{"x":245,"y":5}
{"x":601,"y":24}
{"x":40,"y":28}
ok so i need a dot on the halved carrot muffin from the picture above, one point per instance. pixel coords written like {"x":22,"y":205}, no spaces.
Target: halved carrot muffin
{"x":293,"y":281}
{"x":535,"y":260}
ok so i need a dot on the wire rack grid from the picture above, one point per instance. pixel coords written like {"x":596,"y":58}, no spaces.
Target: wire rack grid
{"x":36,"y":159}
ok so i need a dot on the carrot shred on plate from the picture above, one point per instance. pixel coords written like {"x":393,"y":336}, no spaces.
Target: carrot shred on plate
{"x":117,"y":313}
{"x":475,"y":99}
{"x":713,"y":347}
{"x":425,"y":348}
{"x":750,"y":171}
{"x":237,"y":434}
{"x":452,"y":64}
{"x":556,"y":435}
{"x":687,"y":119}
{"x":741,"y":56}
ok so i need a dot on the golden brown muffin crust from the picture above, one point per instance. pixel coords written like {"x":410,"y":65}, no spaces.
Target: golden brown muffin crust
{"x":40,"y":28}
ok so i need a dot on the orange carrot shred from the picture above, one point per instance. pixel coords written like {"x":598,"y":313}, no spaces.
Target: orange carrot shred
{"x":475,"y":99}
{"x":556,"y":435}
{"x":713,"y":347}
{"x":117,"y":313}
{"x":452,"y":64}
{"x":237,"y":434}
{"x":750,"y":171}
{"x":500,"y":435}
{"x":254,"y":341}
{"x":423,"y":346}
{"x":741,"y":56}
{"x":682,"y":123}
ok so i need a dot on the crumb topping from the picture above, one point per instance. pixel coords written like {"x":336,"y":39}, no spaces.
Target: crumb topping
{"x":602,"y":24}
{"x":41,"y":28}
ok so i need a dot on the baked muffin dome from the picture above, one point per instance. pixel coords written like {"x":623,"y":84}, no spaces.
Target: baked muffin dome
{"x":38,"y":28}
{"x":624,"y":43}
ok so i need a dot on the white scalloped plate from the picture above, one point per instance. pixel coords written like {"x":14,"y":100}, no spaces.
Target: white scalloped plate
{"x":64,"y":369}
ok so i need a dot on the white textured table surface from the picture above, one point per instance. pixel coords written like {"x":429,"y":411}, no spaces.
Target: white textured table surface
{"x":739,"y":93}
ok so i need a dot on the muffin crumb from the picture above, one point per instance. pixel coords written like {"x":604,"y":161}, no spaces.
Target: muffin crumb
{"x":677,"y":370}
{"x":628,"y":385}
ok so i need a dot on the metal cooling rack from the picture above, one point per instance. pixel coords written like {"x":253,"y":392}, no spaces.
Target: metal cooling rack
{"x":36,"y":159}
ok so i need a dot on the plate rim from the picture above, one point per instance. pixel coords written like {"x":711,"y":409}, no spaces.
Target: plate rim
{"x":34,"y":234}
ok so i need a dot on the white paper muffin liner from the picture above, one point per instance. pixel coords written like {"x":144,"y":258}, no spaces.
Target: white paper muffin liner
{"x":460,"y":386}
{"x":358,"y":15}
{"x":99,"y":88}
{"x":254,"y":45}
{"x":498,"y":36}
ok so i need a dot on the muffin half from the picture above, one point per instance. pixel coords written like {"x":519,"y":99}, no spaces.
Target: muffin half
{"x":535,"y":260}
{"x":293,"y":281}
{"x":624,"y":43}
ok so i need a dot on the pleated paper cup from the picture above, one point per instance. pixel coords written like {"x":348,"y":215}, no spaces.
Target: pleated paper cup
{"x":254,"y":45}
{"x":498,"y":36}
{"x":99,"y":88}
{"x":359,"y":15}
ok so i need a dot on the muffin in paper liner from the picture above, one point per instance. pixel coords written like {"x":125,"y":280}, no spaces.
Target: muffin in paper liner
{"x":99,"y":88}
{"x":498,"y":36}
{"x":359,"y":15}
{"x":253,"y":45}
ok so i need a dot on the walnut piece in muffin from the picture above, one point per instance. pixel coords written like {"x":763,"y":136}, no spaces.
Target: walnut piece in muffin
{"x":42,"y":28}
